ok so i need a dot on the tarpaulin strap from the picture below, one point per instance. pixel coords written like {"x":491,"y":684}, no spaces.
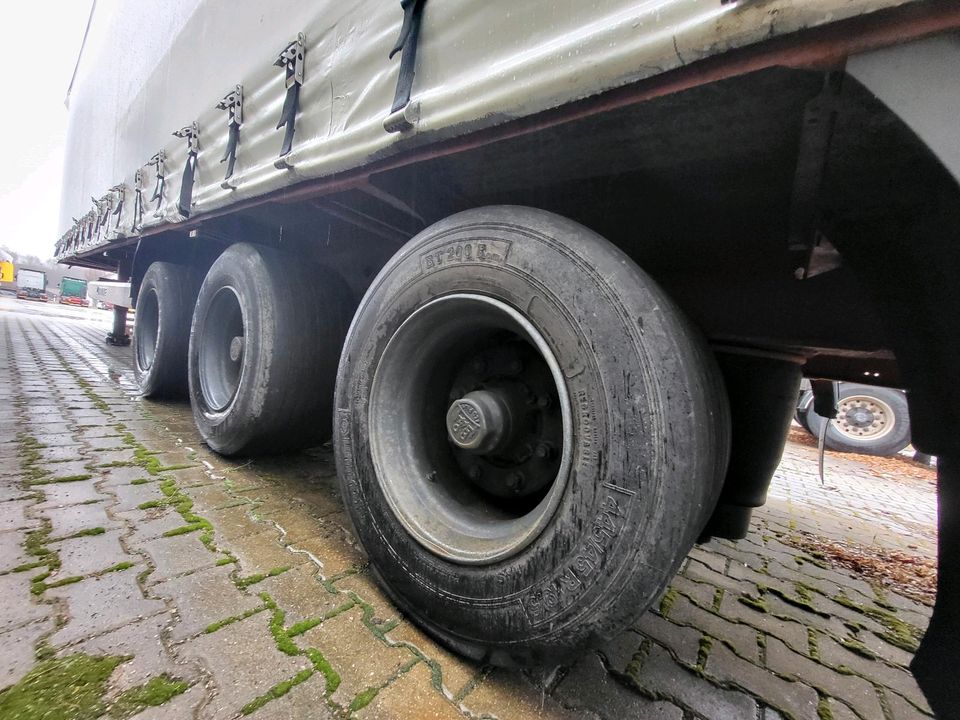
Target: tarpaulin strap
{"x":121,"y":191}
{"x":291,"y":60}
{"x":138,"y":200}
{"x":233,"y":104}
{"x":157,"y":162}
{"x":192,"y":135}
{"x":407,"y":42}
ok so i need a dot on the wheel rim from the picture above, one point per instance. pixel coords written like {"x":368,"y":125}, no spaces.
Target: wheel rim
{"x":470,"y":429}
{"x":861,"y":417}
{"x":147,"y":329}
{"x":221,"y":350}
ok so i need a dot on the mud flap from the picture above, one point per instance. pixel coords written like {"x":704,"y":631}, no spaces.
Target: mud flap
{"x":935,"y":664}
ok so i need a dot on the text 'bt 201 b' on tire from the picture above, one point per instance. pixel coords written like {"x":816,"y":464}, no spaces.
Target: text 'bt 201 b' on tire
{"x":162,"y":329}
{"x":529,"y":434}
{"x":264,"y":344}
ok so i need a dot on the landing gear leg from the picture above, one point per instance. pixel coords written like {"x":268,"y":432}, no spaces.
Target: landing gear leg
{"x":118,"y":335}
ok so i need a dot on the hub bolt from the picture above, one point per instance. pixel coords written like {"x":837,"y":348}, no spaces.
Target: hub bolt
{"x":544,"y":450}
{"x":476,"y":472}
{"x":515,"y":481}
{"x":544,"y":401}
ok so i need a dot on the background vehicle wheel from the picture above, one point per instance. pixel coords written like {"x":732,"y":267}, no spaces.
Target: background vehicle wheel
{"x":530,"y":436}
{"x":264,"y":345}
{"x":870,"y":420}
{"x":804,"y":405}
{"x":162,"y":329}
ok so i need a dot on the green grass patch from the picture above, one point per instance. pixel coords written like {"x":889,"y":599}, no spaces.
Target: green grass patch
{"x":717,"y":599}
{"x":226,"y":560}
{"x":277,"y":691}
{"x":813,"y":648}
{"x":797,"y":602}
{"x":38,"y":587}
{"x":706,"y":645}
{"x":67,"y":688}
{"x":757,"y":603}
{"x":898,"y":633}
{"x":155,"y":692}
{"x":139,"y":481}
{"x":213,"y":627}
{"x":125,"y":565}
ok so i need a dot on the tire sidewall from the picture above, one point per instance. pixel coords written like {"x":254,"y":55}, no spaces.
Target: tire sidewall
{"x":239,"y":267}
{"x":613,"y":517}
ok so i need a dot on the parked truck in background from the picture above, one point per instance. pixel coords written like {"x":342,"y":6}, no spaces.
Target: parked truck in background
{"x":31,"y":285}
{"x":547,"y":273}
{"x":73,"y":291}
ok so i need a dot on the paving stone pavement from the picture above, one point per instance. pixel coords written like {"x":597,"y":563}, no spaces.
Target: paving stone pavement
{"x":122,"y":535}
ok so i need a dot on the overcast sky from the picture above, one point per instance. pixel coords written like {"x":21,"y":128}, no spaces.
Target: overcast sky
{"x":39,"y":43}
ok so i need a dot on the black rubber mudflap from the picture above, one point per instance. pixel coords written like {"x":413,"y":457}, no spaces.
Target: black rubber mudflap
{"x":935,"y":664}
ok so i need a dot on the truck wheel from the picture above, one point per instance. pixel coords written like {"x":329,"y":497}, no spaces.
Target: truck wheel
{"x":530,"y":436}
{"x":264,"y":345}
{"x":162,"y":330}
{"x":804,"y":404}
{"x":870,"y":420}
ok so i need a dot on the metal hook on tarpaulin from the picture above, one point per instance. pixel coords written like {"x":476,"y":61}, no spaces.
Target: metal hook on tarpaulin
{"x":292,"y":62}
{"x":233,"y":104}
{"x":157,"y":161}
{"x":192,"y":134}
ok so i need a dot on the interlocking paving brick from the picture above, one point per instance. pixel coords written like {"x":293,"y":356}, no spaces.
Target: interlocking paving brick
{"x":741,"y":637}
{"x":659,"y":675}
{"x":683,"y":642}
{"x":12,"y":552}
{"x":74,"y":518}
{"x":303,"y":701}
{"x":103,"y":603}
{"x":796,"y":698}
{"x":13,"y":515}
{"x":149,"y":524}
{"x":130,"y":497}
{"x":90,"y":554}
{"x":17,"y":606}
{"x":142,"y":641}
{"x":18,"y":650}
{"x":455,"y":671}
{"x":505,"y":693}
{"x":243,"y":661}
{"x":362,"y":660}
{"x":894,"y":678}
{"x":70,"y":493}
{"x":61,"y":453}
{"x":177,"y":555}
{"x":856,"y":691}
{"x":589,"y":687}
{"x":205,"y":597}
{"x":410,"y":697}
{"x":300,"y":592}
{"x":124,"y":475}
{"x":263,"y":552}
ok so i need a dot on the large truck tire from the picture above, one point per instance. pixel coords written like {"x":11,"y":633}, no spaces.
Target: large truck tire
{"x":530,"y":436}
{"x":264,"y":344}
{"x":870,"y":420}
{"x":162,"y":330}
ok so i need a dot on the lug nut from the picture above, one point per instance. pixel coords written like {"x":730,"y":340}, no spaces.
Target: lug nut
{"x":544,"y":402}
{"x":544,"y":450}
{"x":514,"y":367}
{"x":515,"y":481}
{"x":476,"y":472}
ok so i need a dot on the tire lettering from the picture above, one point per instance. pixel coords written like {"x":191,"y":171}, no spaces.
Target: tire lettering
{"x":488,"y":251}
{"x":565,"y":588}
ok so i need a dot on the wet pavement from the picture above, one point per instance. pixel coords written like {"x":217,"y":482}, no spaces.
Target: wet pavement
{"x":189,"y":585}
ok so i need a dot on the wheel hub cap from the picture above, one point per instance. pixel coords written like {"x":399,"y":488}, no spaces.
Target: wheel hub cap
{"x":478,"y":421}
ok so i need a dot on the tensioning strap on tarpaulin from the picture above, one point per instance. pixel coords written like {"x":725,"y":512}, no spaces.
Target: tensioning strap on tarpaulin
{"x":291,"y":60}
{"x":192,"y":135}
{"x":407,"y":42}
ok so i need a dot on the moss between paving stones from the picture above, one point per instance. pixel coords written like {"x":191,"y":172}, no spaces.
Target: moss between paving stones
{"x":57,"y":480}
{"x":364,"y":698}
{"x":277,"y":691}
{"x":666,"y":603}
{"x":67,"y":688}
{"x":899,"y":633}
{"x":153,"y":693}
